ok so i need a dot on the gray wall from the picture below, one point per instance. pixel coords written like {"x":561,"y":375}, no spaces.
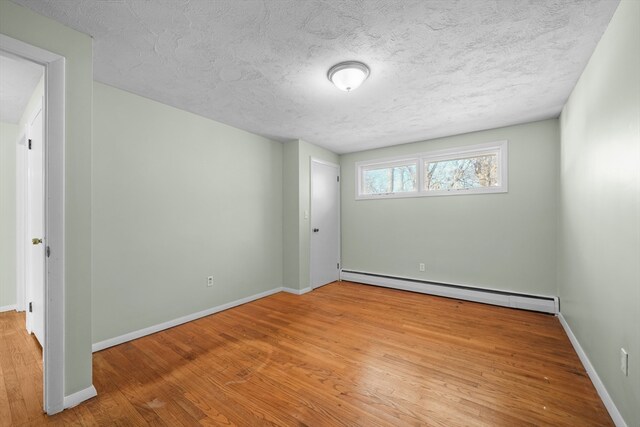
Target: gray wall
{"x":504,"y":241}
{"x":176,"y":198}
{"x":599,"y":275}
{"x":8,"y":138}
{"x":23,"y":24}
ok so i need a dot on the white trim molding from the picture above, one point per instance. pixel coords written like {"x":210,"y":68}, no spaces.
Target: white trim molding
{"x":180,"y":320}
{"x":542,"y":303}
{"x":297,"y":291}
{"x":11,"y":307}
{"x":21,"y":215}
{"x":616,"y":416}
{"x":323,"y":162}
{"x":78,"y":397}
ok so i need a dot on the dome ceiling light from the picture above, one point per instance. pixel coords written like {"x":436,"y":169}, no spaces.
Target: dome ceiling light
{"x":348,"y":75}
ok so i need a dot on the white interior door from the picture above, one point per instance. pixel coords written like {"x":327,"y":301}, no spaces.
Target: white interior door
{"x":35,"y":226}
{"x":325,"y":223}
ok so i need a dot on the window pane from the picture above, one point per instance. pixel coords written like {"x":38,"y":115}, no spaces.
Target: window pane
{"x":396,"y":179}
{"x":459,"y":174}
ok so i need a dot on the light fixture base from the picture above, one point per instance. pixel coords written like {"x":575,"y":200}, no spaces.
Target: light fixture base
{"x":348,"y":75}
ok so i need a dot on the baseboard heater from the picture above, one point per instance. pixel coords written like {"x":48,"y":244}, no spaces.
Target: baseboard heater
{"x":544,"y":304}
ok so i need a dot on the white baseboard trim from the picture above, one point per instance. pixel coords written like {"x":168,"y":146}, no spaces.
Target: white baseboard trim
{"x":8,"y":308}
{"x":179,"y":321}
{"x":297,"y":291}
{"x":543,"y":303}
{"x":595,"y":379}
{"x":79,"y":397}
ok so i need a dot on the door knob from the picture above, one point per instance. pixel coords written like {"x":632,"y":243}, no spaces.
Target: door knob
{"x":36,"y":241}
{"x":315,"y":230}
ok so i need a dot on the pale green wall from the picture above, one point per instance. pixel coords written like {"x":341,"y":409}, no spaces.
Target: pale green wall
{"x":297,"y":201}
{"x":599,"y":275}
{"x":167,"y":213}
{"x":23,"y":24}
{"x":8,"y":139}
{"x":176,"y":198}
{"x":290,"y":216}
{"x":503,"y":241}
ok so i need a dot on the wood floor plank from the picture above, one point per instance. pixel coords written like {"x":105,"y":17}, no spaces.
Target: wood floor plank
{"x":11,"y":371}
{"x":332,"y":377}
{"x":344,"y":354}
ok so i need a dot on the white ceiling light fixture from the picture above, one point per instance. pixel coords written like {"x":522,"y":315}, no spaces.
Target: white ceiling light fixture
{"x":348,"y":75}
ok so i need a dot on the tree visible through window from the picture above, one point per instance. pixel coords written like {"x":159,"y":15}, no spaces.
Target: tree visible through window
{"x":470,"y":172}
{"x":390,"y":179}
{"x":463,"y":170}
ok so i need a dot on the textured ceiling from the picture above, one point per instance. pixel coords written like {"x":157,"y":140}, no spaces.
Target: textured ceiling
{"x":437,"y":67}
{"x":18,"y":79}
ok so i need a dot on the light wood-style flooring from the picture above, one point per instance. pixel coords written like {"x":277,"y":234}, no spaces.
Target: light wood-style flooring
{"x":344,"y":354}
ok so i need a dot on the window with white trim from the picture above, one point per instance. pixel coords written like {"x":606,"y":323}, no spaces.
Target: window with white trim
{"x":463,"y":170}
{"x":390,"y":177}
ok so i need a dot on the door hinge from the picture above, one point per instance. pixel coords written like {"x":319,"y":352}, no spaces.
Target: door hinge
{"x":30,"y":307}
{"x":338,"y":266}
{"x":48,"y":251}
{"x":29,"y":144}
{"x":338,"y":178}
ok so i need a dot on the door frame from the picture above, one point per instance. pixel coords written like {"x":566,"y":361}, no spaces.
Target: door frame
{"x":54,"y":197}
{"x":313,"y":160}
{"x":21,"y":221}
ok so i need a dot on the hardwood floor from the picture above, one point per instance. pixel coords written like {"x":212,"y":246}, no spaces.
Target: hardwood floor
{"x":20,"y":371}
{"x":344,"y":354}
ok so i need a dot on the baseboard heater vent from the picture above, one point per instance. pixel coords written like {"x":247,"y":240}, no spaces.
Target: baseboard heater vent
{"x":544,"y":304}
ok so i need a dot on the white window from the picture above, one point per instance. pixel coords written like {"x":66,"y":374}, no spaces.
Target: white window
{"x":389,"y":178}
{"x":462,"y":170}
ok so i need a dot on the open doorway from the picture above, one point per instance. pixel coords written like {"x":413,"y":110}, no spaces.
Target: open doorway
{"x":31,"y":250}
{"x":32,"y":112}
{"x":22,"y":191}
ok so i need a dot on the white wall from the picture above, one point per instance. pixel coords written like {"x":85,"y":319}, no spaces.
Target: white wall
{"x":599,"y":275}
{"x":504,"y":241}
{"x":177,"y":198}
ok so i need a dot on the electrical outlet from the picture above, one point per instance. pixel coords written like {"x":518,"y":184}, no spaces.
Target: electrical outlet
{"x":421,"y":266}
{"x":624,"y":362}
{"x":210,"y":281}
